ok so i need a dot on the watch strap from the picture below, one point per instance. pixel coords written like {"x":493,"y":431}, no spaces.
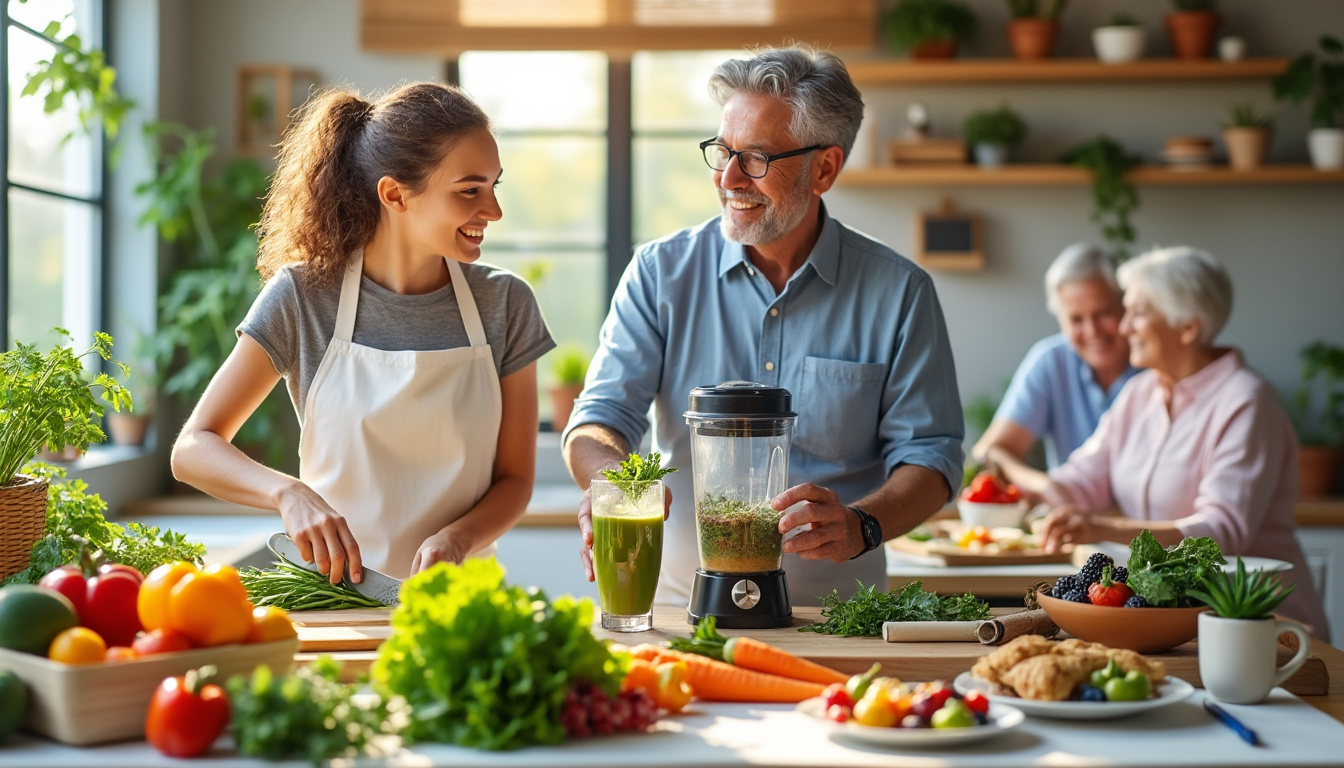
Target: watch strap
{"x":870,"y":528}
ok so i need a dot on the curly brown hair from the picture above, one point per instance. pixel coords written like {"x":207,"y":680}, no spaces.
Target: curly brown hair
{"x":323,"y":202}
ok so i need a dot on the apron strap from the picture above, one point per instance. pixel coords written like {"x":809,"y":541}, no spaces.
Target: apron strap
{"x":345,"y":310}
{"x":471,"y":317}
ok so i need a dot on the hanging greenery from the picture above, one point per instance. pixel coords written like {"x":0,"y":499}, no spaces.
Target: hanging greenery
{"x":1113,"y":196}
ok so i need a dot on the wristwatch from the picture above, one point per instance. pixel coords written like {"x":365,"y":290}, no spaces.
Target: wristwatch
{"x":871,"y":528}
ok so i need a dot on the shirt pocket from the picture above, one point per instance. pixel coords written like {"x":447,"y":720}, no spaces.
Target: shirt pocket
{"x":840,"y":407}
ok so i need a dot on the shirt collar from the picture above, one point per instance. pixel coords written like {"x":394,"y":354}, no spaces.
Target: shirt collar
{"x":1203,"y":381}
{"x":824,"y":258}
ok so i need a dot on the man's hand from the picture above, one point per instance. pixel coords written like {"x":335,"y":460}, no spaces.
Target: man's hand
{"x":835,"y":533}
{"x":586,"y":527}
{"x":1068,"y":524}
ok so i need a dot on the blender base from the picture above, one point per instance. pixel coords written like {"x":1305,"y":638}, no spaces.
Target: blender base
{"x":740,"y":600}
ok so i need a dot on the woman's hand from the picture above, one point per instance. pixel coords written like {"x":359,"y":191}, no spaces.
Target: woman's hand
{"x":1068,"y":524}
{"x":322,"y":535}
{"x":442,"y":547}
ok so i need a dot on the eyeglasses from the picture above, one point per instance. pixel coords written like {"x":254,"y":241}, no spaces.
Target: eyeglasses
{"x":753,"y":163}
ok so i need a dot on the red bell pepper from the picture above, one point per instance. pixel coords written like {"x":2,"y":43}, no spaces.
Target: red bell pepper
{"x":187,"y":714}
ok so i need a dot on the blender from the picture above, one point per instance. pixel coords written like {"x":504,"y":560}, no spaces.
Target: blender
{"x":740,"y":436}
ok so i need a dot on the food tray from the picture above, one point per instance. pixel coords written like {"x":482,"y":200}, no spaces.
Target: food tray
{"x":82,"y":704}
{"x":941,"y":550}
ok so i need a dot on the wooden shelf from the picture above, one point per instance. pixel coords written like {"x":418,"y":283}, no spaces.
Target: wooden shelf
{"x":1058,"y":174}
{"x":907,"y":72}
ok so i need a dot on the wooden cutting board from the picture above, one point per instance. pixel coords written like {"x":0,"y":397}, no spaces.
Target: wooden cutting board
{"x":349,"y":617}
{"x":352,"y":629}
{"x":941,"y":550}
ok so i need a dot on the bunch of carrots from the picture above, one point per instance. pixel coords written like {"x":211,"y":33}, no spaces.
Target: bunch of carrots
{"x":719,"y":668}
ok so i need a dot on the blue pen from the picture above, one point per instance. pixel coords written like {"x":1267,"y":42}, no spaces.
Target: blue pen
{"x":1246,"y":734}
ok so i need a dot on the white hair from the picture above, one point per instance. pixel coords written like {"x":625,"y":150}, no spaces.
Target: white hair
{"x":1077,"y":263}
{"x":1185,"y":284}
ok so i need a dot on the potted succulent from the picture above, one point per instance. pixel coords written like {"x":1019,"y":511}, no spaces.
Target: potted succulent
{"x":1246,"y":134}
{"x":1193,"y":27}
{"x":992,"y":133}
{"x":928,"y":29}
{"x":1120,"y":40}
{"x":1318,"y":412}
{"x":1034,"y":27}
{"x":569,"y":367}
{"x":1320,"y":78}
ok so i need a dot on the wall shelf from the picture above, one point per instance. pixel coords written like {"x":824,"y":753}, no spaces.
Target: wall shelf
{"x":1058,"y":174}
{"x":968,"y":71}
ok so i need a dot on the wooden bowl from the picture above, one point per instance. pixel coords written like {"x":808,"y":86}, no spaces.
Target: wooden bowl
{"x":1146,"y":630}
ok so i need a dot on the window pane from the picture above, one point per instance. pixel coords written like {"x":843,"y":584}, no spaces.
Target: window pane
{"x":671,"y":91}
{"x":37,"y":155}
{"x":538,"y":90}
{"x":36,"y":14}
{"x":673,"y":188}
{"x":52,"y":268}
{"x":553,"y":191}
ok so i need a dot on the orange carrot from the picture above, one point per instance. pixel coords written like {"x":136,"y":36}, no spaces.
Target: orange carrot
{"x":716,"y":681}
{"x":750,"y":653}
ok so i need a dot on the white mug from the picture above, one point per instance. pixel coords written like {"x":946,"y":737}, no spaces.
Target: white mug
{"x":1237,"y":656}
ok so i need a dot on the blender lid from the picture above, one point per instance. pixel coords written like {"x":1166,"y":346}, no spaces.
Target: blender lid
{"x":740,"y":400}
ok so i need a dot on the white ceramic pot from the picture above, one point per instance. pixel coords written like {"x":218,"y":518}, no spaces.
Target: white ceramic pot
{"x":1238,"y":657}
{"x":990,"y":155}
{"x":1115,"y":45}
{"x":1231,"y":48}
{"x":1326,"y":146}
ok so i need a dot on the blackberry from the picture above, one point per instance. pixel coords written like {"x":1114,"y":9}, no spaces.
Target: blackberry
{"x":1076,"y":595}
{"x":1121,"y":574}
{"x":1064,"y":584}
{"x":1091,"y":572}
{"x":1135,"y":601}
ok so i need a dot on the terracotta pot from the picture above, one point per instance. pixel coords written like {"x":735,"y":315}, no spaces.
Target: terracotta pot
{"x":935,"y":49}
{"x":23,"y":520}
{"x":68,"y":453}
{"x":127,"y":428}
{"x":1246,"y":147}
{"x":1318,"y":470}
{"x":1032,"y":38}
{"x":1192,"y":33}
{"x":562,"y":404}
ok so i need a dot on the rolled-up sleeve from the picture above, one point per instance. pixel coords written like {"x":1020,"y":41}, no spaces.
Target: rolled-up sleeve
{"x":627,"y":367}
{"x":921,"y":420}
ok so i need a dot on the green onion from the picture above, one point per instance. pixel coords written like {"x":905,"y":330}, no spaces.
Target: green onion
{"x":293,"y":588}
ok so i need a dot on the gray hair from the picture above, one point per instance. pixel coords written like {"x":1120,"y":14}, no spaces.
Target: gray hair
{"x":1185,"y":284}
{"x":1077,"y":263}
{"x":827,"y":108}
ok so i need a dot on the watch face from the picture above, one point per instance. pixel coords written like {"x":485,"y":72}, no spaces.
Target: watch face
{"x":872,"y":533}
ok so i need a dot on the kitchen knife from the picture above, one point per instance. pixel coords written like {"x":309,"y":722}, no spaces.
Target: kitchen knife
{"x":379,"y":586}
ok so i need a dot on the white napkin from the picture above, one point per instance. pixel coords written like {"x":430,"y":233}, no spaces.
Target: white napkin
{"x":930,"y":631}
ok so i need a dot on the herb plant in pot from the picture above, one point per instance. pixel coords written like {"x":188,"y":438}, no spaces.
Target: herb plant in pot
{"x":1120,"y":40}
{"x":1238,"y":639}
{"x":928,"y":29}
{"x":1193,"y":27}
{"x":1320,"y":78}
{"x":1246,"y":133}
{"x":1318,"y":413}
{"x":569,"y":367}
{"x":992,"y":133}
{"x":1034,"y":27}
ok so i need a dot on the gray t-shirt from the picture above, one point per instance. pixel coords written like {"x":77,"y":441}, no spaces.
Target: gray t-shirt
{"x":294,"y":321}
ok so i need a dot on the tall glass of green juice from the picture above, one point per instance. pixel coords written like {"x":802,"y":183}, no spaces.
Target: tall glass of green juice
{"x":627,"y":553}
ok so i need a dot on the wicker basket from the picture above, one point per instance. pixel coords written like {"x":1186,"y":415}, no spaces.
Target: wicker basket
{"x":23,"y":518}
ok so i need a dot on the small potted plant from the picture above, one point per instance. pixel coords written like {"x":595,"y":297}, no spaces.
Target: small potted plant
{"x":569,"y":367}
{"x":1193,"y":27}
{"x":1246,"y":134}
{"x":1121,"y":40}
{"x":928,"y":29}
{"x":992,"y":133}
{"x":1320,"y":78}
{"x":1114,"y":196}
{"x":1034,"y":27}
{"x":1317,"y":408}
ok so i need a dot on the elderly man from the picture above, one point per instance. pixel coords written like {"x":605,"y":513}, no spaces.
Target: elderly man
{"x":777,"y":292}
{"x":1067,"y":381}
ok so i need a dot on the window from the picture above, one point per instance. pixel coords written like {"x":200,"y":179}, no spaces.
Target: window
{"x":52,"y":217}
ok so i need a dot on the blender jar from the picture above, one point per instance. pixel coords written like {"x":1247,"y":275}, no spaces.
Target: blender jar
{"x":740,"y":437}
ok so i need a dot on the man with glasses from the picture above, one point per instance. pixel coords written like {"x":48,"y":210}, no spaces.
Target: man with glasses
{"x":776,"y":291}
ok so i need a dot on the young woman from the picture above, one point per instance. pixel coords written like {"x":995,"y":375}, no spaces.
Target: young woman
{"x":411,"y":367}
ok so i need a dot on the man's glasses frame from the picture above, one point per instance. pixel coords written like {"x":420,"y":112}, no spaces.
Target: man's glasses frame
{"x":751,"y":156}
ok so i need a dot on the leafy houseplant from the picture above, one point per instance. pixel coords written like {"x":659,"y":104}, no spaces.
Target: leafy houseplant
{"x":1113,"y":196}
{"x":1246,"y":134}
{"x":569,"y":367}
{"x":992,"y":132}
{"x":1321,"y":79}
{"x":1034,"y":27}
{"x":1192,"y":28}
{"x":928,"y":28}
{"x":1318,"y":412}
{"x":1121,"y":40}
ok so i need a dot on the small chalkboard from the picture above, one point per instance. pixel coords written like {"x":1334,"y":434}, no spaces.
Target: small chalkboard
{"x":949,"y":239}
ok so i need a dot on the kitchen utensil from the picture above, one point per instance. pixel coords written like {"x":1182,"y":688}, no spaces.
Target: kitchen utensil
{"x":379,"y":586}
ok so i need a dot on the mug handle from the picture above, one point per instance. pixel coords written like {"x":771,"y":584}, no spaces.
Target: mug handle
{"x":1303,"y":650}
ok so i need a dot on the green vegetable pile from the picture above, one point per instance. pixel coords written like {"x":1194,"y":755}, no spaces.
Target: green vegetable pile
{"x":295,"y":588}
{"x":863,"y":614}
{"x":637,"y":474}
{"x":308,"y":714}
{"x":75,"y":518}
{"x":487,"y":665}
{"x":1166,"y":577}
{"x":736,"y":536}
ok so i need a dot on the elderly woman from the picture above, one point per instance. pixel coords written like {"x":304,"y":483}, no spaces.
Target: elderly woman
{"x":1197,"y":445}
{"x":1068,"y":380}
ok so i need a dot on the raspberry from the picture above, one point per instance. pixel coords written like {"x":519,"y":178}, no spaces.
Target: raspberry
{"x":1136,"y":601}
{"x":1091,"y":572}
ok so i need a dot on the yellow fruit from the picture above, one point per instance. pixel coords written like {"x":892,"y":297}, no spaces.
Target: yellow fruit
{"x":78,"y":645}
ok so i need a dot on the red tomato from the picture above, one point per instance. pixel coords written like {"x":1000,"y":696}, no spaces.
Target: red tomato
{"x":977,"y":702}
{"x":122,"y":568}
{"x":161,"y":641}
{"x":69,"y":581}
{"x":186,"y":715}
{"x":109,"y":607}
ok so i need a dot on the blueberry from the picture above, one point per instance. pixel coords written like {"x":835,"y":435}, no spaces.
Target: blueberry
{"x":1136,"y":601}
{"x":1092,"y":693}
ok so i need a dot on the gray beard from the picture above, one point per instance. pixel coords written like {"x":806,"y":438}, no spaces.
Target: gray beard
{"x":779,"y":220}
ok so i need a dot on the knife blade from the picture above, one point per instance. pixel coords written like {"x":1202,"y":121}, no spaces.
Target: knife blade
{"x":377,"y":585}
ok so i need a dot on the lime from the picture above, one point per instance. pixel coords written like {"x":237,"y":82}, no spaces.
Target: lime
{"x":31,"y":616}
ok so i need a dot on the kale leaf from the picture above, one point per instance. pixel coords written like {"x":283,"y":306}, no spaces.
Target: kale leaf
{"x":1164,"y":577}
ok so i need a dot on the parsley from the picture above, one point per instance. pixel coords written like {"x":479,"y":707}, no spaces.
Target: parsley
{"x":637,"y":474}
{"x":863,"y":614}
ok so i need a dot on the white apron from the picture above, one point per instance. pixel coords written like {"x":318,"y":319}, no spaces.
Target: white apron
{"x":401,"y":443}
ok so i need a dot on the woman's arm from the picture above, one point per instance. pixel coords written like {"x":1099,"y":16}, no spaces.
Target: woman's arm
{"x":205,"y":457}
{"x":511,"y":487}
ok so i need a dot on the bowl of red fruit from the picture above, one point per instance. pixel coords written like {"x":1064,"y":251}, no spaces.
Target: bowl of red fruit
{"x":991,"y":503}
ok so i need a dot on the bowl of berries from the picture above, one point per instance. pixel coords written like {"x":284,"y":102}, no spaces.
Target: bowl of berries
{"x":991,"y":503}
{"x":1097,"y":605}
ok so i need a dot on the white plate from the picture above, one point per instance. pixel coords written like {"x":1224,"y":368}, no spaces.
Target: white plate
{"x":1002,"y":718}
{"x":1173,"y":690}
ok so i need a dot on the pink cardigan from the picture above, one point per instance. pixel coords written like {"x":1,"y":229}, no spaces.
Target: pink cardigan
{"x":1216,"y":454}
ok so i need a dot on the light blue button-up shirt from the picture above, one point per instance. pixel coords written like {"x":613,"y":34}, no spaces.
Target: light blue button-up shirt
{"x":856,"y":336}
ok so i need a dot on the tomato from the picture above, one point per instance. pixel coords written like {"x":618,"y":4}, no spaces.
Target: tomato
{"x":1108,"y":591}
{"x":835,"y":695}
{"x":69,"y":581}
{"x":110,"y":606}
{"x":161,"y":641}
{"x":121,"y":568}
{"x":270,"y":623}
{"x":977,"y":702}
{"x":119,"y":653}
{"x":206,"y":608}
{"x":77,"y":645}
{"x":186,"y":715}
{"x":871,"y":711}
{"x":152,"y":605}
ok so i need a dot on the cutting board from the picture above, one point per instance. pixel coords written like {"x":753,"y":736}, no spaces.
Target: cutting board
{"x":941,"y":550}
{"x":352,"y":629}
